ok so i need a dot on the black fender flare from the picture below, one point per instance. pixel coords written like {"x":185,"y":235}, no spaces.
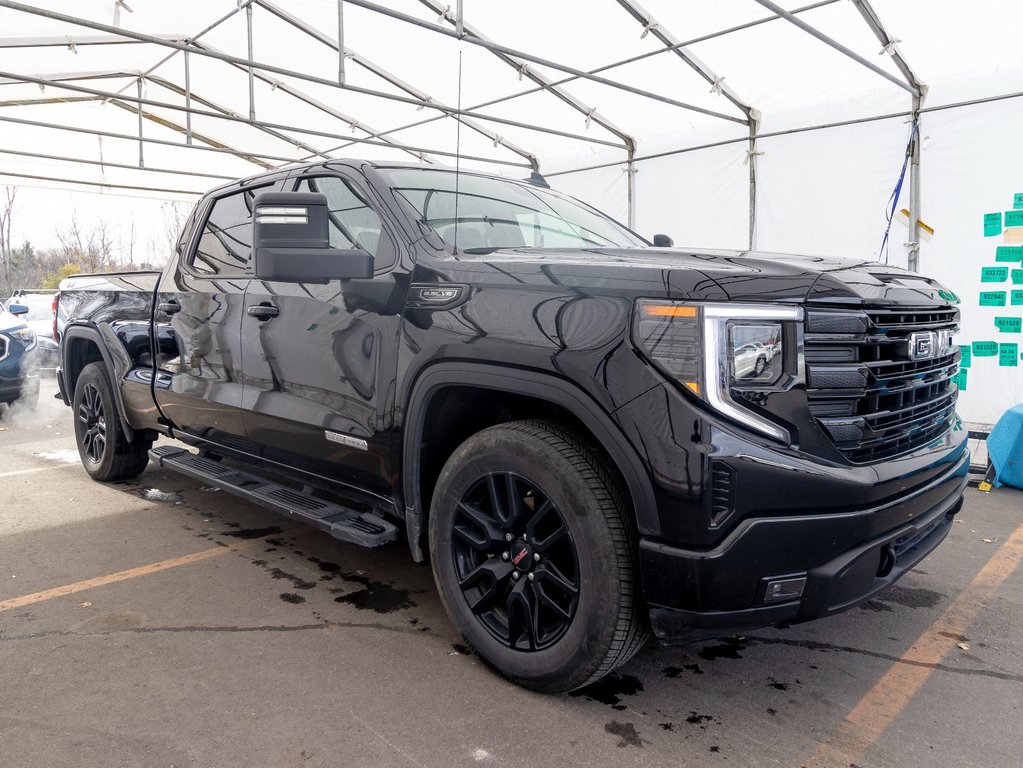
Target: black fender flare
{"x":92,"y":334}
{"x":524,"y":382}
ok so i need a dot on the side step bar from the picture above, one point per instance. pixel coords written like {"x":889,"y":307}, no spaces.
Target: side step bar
{"x":360,"y":528}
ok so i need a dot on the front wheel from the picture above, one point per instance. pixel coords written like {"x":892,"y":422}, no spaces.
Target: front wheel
{"x":104,"y":449}
{"x":533,"y":551}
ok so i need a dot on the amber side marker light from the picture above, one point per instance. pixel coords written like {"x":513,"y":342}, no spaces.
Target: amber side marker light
{"x":692,"y":385}
{"x":668,"y":310}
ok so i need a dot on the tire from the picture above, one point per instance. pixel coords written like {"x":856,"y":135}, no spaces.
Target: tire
{"x":573,"y":531}
{"x":105,"y":451}
{"x":759,"y":367}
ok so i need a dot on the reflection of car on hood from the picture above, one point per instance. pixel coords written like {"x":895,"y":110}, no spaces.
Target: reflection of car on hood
{"x":40,"y":319}
{"x":19,"y":379}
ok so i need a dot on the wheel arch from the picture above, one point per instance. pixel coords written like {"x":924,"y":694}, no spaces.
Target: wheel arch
{"x":520,"y":383}
{"x":81,"y":345}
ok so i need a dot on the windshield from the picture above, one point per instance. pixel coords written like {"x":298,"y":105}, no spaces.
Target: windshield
{"x":495,"y":213}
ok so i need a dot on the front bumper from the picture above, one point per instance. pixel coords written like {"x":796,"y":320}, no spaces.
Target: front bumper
{"x":845,"y":557}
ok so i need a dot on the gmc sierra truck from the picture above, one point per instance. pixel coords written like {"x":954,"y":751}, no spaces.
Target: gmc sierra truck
{"x":588,"y":437}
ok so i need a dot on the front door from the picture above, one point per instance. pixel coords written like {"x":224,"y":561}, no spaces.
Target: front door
{"x":320,"y":360}
{"x":198,"y":316}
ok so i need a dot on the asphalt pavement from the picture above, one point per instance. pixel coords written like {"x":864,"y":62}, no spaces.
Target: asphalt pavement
{"x":158,"y":622}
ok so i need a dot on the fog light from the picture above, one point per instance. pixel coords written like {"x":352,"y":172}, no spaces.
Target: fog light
{"x":784,"y":589}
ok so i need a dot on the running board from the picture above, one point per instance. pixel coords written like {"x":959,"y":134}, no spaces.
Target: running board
{"x":362,"y":528}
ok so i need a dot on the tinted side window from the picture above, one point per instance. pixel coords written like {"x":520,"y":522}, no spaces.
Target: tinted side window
{"x":353,"y":224}
{"x":225,"y":245}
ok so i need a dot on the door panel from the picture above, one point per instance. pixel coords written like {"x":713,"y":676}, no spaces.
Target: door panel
{"x":200,"y":303}
{"x":313,"y":374}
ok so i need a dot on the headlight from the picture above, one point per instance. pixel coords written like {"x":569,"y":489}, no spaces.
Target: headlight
{"x":732,"y":356}
{"x":25,"y":336}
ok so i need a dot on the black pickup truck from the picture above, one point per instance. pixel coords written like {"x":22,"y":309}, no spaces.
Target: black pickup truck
{"x":588,"y":436}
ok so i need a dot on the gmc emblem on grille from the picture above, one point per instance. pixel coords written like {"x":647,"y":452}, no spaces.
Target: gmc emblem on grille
{"x":923,"y":345}
{"x":927,"y":345}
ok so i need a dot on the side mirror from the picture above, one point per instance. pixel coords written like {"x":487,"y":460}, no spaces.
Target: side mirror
{"x":291,"y":241}
{"x":663,"y":241}
{"x":17,"y":309}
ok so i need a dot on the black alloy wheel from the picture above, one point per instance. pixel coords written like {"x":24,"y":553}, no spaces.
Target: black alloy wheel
{"x":106,"y":451}
{"x":94,"y":431}
{"x":515,"y":561}
{"x":533,"y":548}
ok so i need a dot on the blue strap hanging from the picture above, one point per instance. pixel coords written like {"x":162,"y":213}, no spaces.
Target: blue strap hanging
{"x":893,"y":201}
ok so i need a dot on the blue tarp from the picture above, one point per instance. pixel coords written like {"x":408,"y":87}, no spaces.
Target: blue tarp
{"x":1005,"y":448}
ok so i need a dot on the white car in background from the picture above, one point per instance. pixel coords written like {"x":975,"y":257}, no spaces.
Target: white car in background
{"x":40,"y":319}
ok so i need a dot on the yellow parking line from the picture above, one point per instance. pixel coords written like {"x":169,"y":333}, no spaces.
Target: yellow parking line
{"x":24,"y":471}
{"x":131,"y":573}
{"x":876,"y":711}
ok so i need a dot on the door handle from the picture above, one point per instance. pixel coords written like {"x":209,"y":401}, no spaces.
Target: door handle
{"x":263,"y":311}
{"x":170,"y":307}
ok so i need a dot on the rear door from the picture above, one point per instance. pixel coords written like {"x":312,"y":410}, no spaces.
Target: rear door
{"x":320,"y":360}
{"x":198,"y":315}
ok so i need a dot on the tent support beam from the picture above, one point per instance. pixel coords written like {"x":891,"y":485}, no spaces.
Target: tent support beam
{"x":100,"y":184}
{"x":888,"y":44}
{"x":327,"y":110}
{"x":252,"y":81}
{"x":188,"y":101}
{"x":603,"y":68}
{"x":236,"y":60}
{"x":524,"y":70}
{"x":254,"y":157}
{"x":420,"y":97}
{"x":138,"y":90}
{"x":108,"y":164}
{"x":813,"y":31}
{"x":659,"y":31}
{"x":404,"y":17}
{"x":752,"y":154}
{"x":913,"y":255}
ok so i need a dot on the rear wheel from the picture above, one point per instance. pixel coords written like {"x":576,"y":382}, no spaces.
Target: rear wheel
{"x":105,"y":451}
{"x":533,"y":551}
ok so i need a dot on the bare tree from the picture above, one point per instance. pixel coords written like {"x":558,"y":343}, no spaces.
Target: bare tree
{"x":93,"y":250}
{"x":6,"y":215}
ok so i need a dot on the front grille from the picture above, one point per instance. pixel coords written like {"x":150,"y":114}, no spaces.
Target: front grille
{"x":868,"y":397}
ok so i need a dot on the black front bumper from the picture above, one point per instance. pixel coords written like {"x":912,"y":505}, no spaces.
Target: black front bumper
{"x":845,"y":557}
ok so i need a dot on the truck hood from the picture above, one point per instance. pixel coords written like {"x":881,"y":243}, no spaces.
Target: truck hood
{"x":707,"y":275}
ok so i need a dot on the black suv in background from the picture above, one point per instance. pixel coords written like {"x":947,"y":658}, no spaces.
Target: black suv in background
{"x":589,"y":436}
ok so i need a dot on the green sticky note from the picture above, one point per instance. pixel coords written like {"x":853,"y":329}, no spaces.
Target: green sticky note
{"x":985,"y":348}
{"x":1009,"y":324}
{"x":992,"y":224}
{"x":965,"y":356}
{"x":1017,"y":277}
{"x":1017,"y":297}
{"x":994,"y":274}
{"x":1009,"y":253}
{"x":1017,"y":200}
{"x":1013,"y":219}
{"x":1008,"y":355}
{"x":960,"y":379}
{"x":992,"y":298}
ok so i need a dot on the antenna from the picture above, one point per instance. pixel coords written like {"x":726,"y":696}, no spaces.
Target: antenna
{"x":458,"y":145}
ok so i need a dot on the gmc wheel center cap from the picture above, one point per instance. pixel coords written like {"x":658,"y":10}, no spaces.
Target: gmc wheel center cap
{"x":522,"y":555}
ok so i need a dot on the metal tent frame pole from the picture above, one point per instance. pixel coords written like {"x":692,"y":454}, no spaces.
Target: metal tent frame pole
{"x":524,"y":70}
{"x":717,"y":84}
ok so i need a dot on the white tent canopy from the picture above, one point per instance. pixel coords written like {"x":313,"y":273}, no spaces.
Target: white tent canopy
{"x":726,"y":124}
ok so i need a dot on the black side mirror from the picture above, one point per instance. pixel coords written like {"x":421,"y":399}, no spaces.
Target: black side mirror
{"x":291,"y":241}
{"x":17,"y":309}
{"x":663,"y":241}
